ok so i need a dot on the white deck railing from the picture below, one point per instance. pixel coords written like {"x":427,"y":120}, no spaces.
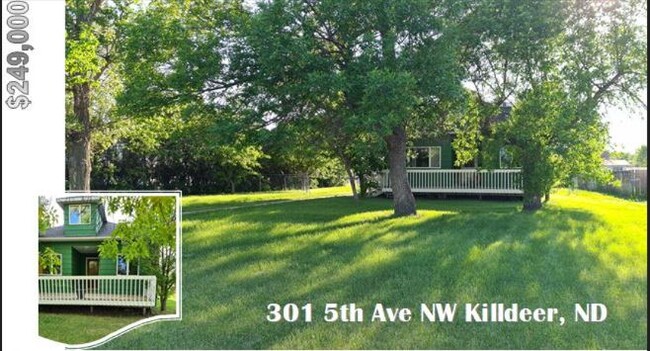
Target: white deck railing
{"x":133,"y":291}
{"x":461,"y":181}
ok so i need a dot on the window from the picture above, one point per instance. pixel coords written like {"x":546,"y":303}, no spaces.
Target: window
{"x":79,"y":214}
{"x":125,"y":267}
{"x":122,"y":266}
{"x":434,"y":156}
{"x":424,"y":157}
{"x":53,"y":265}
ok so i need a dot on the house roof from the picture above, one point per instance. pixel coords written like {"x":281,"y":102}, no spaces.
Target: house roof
{"x":616,"y":163}
{"x":78,"y":199}
{"x":56,"y":233}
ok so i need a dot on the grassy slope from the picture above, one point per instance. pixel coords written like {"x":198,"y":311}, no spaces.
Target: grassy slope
{"x":582,"y":247}
{"x":76,"y":325}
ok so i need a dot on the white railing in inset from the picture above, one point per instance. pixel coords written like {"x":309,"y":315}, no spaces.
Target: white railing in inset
{"x":131,"y":291}
{"x":461,"y":181}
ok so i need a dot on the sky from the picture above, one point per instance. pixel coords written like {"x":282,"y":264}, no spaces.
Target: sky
{"x":628,"y":129}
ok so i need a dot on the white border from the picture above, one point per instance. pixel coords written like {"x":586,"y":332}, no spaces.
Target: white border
{"x":179,"y":271}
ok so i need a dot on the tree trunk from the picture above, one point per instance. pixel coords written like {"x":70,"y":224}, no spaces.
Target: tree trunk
{"x":79,"y":141}
{"x":403,"y":200}
{"x":232,"y":186}
{"x":348,"y":169}
{"x":532,"y":202}
{"x":163,"y":303}
{"x":363,"y":186}
{"x":353,"y":184}
{"x":547,"y":196}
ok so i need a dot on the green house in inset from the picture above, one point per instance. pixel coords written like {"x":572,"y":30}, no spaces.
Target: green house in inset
{"x":81,"y":276}
{"x":77,"y":241}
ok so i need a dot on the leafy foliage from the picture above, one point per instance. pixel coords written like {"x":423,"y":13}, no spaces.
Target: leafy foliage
{"x":46,"y":214}
{"x":641,"y":156}
{"x":558,"y":61}
{"x":93,"y":42}
{"x":49,"y":261}
{"x":368,"y":68}
{"x":150,"y":238}
{"x":552,"y":146}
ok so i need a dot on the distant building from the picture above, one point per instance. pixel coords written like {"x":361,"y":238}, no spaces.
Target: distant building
{"x":617,"y":165}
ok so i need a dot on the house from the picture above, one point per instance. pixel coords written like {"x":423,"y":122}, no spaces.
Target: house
{"x":80,"y":276}
{"x":616,"y":165}
{"x":77,"y":241}
{"x":431,"y":169}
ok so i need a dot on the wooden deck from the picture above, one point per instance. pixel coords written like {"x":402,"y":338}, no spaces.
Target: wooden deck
{"x":92,"y":299}
{"x":461,"y":181}
{"x":128,"y":291}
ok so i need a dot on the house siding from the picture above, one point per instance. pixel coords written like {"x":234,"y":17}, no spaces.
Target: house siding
{"x":107,"y":266}
{"x":74,"y":263}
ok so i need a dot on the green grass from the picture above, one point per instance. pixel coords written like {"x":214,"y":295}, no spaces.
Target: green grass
{"x":206,"y":203}
{"x":76,"y":325}
{"x":582,"y":247}
{"x":171,"y":306}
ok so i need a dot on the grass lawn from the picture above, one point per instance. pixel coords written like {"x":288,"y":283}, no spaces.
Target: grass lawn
{"x":209,"y":202}
{"x":76,"y":325}
{"x":582,"y":247}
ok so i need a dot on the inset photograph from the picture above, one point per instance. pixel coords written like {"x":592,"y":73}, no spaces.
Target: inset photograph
{"x":105,"y":262}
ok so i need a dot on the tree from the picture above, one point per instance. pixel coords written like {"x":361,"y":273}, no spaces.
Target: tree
{"x":507,"y":47}
{"x":46,"y":215}
{"x":640,"y":157}
{"x":177,"y":151}
{"x":585,"y":54}
{"x":551,"y":146}
{"x":49,"y":261}
{"x":375,"y":66}
{"x":93,"y":32}
{"x":150,"y":238}
{"x":618,"y":155}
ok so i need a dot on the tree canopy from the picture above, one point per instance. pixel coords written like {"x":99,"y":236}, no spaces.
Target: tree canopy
{"x":197,"y":95}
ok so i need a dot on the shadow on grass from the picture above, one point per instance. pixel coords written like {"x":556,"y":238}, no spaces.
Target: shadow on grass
{"x":96,"y":311}
{"x":341,"y":251}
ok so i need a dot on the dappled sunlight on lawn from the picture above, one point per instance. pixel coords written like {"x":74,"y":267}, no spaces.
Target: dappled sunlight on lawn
{"x":195,"y":203}
{"x":579,"y":248}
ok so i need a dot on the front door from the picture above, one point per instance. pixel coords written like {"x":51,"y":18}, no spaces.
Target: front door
{"x":92,"y":266}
